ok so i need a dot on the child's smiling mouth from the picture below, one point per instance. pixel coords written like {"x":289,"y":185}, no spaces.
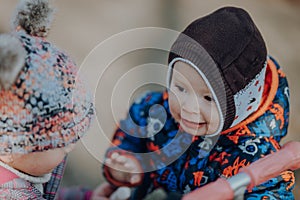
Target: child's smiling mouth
{"x":191,"y":124}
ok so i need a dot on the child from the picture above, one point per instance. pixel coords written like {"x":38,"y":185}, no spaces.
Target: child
{"x":44,"y":109}
{"x":227,"y":105}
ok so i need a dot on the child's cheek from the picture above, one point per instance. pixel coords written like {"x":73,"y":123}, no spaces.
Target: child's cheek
{"x":38,"y":163}
{"x":174,"y":106}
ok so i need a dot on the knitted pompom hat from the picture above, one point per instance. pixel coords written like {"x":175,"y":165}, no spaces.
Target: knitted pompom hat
{"x":43,"y":102}
{"x":228,"y":51}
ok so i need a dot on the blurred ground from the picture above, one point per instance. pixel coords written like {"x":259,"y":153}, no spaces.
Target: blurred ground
{"x":81,"y":25}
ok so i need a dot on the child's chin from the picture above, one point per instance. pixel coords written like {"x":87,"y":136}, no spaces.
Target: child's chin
{"x":194,"y":132}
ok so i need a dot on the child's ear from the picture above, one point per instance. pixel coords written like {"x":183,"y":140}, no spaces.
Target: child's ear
{"x":12,"y":59}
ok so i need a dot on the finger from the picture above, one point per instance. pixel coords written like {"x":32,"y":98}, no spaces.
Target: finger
{"x":108,"y":161}
{"x":121,"y":159}
{"x":104,"y":190}
{"x":135,"y":179}
{"x":114,"y":155}
{"x":129,"y":165}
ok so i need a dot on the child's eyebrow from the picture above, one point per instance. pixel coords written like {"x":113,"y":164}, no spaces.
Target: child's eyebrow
{"x":180,"y":78}
{"x":181,"y":82}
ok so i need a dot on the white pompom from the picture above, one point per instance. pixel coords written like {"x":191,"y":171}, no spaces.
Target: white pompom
{"x":34,"y":16}
{"x":12,"y":59}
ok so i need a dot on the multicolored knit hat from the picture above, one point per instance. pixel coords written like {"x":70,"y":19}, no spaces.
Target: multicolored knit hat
{"x":43,"y":102}
{"x":228,"y":51}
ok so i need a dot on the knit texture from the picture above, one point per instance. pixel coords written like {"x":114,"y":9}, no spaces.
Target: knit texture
{"x":48,"y":106}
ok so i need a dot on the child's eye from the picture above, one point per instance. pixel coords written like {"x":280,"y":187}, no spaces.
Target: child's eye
{"x":208,"y":98}
{"x":181,"y":89}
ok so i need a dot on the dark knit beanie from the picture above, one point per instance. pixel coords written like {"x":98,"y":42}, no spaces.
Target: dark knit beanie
{"x":229,"y":52}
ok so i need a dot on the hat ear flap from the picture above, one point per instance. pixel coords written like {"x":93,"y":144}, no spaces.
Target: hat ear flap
{"x":12,"y":59}
{"x":34,"y":16}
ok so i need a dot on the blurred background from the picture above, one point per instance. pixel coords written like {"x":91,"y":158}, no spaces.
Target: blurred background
{"x":79,"y":26}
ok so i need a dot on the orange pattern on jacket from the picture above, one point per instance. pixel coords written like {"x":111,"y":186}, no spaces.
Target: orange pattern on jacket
{"x":278,"y":111}
{"x":197,"y":177}
{"x":242,"y":131}
{"x":288,"y":176}
{"x":234,"y":169}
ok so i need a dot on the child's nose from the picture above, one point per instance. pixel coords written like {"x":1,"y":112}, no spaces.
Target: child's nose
{"x":191,"y":104}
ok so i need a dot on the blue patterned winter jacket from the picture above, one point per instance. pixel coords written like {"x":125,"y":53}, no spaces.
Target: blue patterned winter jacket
{"x":176,"y":161}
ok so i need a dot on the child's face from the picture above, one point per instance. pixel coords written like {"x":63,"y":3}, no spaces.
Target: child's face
{"x":191,"y":102}
{"x":38,"y":163}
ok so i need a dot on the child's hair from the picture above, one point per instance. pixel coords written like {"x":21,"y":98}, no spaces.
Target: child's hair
{"x":228,"y":51}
